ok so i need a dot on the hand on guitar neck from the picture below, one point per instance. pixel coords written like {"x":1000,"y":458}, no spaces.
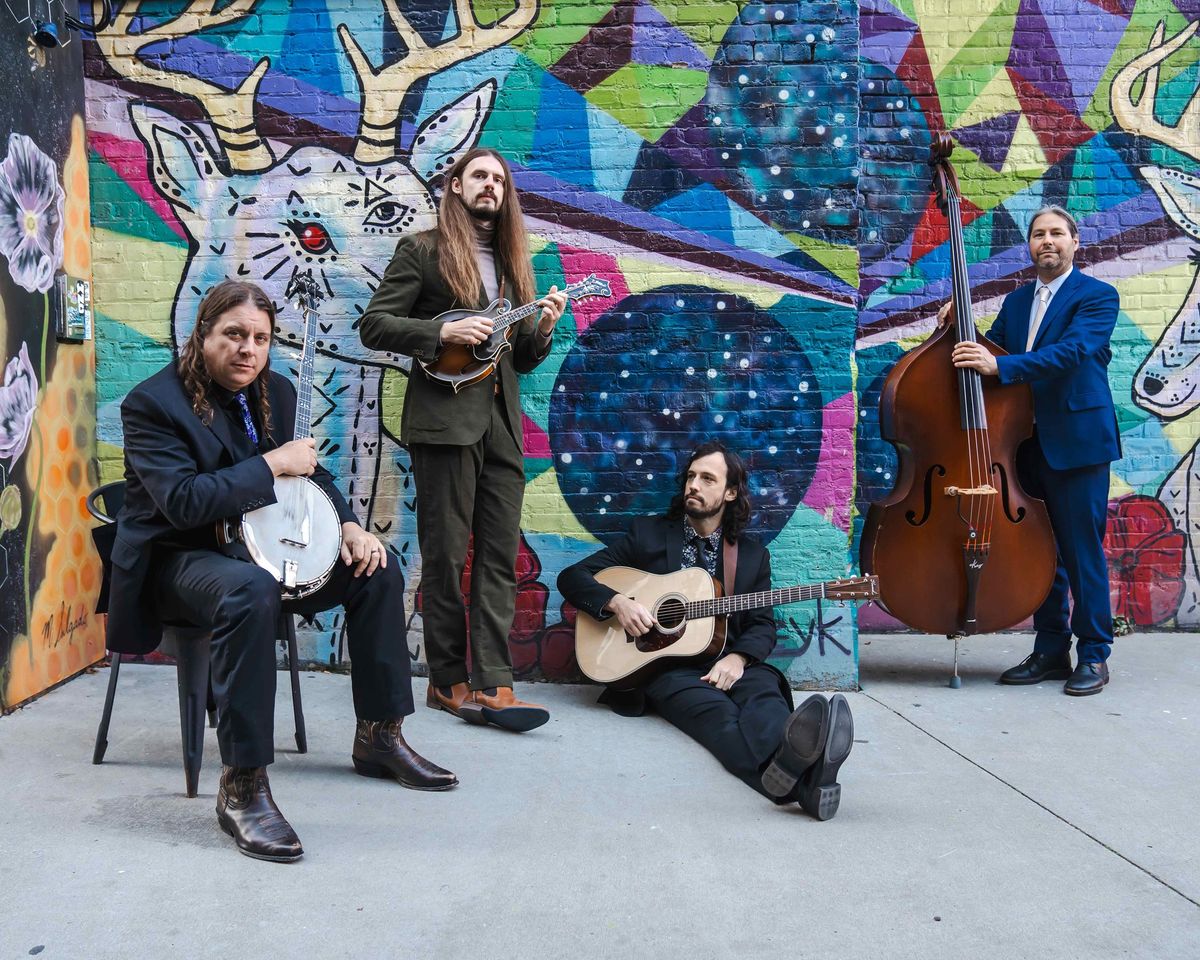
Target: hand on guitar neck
{"x":296,"y":458}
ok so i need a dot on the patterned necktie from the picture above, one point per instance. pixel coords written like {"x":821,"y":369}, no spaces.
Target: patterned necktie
{"x":1043,"y":300}
{"x":247,"y":419}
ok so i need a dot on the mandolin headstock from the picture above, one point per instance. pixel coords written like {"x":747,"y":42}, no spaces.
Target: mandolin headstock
{"x":590,"y":286}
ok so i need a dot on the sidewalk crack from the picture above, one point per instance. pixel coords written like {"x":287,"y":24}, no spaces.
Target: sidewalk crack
{"x":1058,"y":816}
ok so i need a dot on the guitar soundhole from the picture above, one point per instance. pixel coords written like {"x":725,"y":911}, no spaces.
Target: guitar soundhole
{"x":670,"y":614}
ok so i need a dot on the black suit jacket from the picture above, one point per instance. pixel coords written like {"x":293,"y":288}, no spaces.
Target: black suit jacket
{"x":180,"y":475}
{"x":655,"y":545}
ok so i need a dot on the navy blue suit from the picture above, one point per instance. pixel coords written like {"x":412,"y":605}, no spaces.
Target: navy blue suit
{"x":1075,"y":439}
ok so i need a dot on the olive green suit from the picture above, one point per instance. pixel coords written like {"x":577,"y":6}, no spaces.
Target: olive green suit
{"x":468,"y":463}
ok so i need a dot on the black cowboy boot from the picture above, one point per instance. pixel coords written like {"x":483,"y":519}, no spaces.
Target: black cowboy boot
{"x":247,"y":812}
{"x":380,"y":751}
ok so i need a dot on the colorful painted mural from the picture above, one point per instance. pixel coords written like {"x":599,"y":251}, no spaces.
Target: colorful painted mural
{"x":1090,"y":105}
{"x":49,"y":573}
{"x":751,"y":178}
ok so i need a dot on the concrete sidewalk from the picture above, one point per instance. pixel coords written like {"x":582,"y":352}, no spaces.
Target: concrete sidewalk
{"x":982,"y":822}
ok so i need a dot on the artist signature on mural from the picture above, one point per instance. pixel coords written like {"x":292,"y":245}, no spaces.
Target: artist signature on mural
{"x":62,"y":626}
{"x":820,"y":629}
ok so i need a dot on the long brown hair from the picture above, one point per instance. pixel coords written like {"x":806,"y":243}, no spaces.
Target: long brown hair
{"x":456,"y":238}
{"x":224,"y":296}
{"x":737,"y":511}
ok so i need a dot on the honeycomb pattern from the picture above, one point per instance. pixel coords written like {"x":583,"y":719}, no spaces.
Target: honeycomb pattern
{"x":65,"y":635}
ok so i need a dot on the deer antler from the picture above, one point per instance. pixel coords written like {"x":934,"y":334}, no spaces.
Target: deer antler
{"x":1138,"y":118}
{"x":231,"y":112}
{"x":383,"y":90}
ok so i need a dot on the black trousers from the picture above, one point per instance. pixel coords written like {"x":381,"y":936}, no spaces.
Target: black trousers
{"x":741,"y":727}
{"x":240,"y":603}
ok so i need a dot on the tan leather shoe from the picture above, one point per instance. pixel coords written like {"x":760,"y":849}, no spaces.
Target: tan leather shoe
{"x":497,"y":705}
{"x":458,"y":703}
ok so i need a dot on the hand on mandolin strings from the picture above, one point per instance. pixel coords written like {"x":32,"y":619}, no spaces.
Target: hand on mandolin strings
{"x":634,"y":618}
{"x":468,"y":330}
{"x":296,"y":458}
{"x":553,"y":305}
{"x":974,"y":356}
{"x":362,"y":550}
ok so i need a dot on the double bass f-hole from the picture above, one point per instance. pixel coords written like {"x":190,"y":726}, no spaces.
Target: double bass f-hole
{"x":911,"y":516}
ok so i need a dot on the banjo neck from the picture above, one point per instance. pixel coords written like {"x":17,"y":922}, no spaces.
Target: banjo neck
{"x":304,"y":384}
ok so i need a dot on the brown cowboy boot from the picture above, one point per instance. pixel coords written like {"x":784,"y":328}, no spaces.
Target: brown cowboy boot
{"x":380,"y":751}
{"x":247,"y":812}
{"x":455,"y":699}
{"x":498,"y":705}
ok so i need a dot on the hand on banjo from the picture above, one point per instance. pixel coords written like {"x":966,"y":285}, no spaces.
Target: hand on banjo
{"x":296,"y":458}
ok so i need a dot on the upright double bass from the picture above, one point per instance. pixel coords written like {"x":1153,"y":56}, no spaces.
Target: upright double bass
{"x":958,"y":545}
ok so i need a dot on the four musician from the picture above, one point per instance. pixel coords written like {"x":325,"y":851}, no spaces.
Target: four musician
{"x":739,"y":707}
{"x":206,"y":437}
{"x":1057,"y":333}
{"x":466,"y":447}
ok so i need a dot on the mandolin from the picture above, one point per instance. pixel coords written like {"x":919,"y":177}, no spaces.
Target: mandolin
{"x":689,"y":619}
{"x":459,"y":365}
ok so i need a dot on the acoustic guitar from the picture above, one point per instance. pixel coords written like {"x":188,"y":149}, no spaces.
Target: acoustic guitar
{"x":298,"y":538}
{"x":459,"y":365}
{"x":689,"y":620}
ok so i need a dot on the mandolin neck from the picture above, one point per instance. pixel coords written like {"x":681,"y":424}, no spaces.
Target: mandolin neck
{"x":573,"y":291}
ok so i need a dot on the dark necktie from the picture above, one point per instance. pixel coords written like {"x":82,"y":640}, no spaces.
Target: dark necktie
{"x":247,"y":419}
{"x":701,"y":548}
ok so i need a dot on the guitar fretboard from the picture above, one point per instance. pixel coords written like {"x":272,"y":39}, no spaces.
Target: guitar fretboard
{"x":721,"y":606}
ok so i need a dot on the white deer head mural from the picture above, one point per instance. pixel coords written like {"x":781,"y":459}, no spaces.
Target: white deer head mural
{"x":1168,"y":382}
{"x":253,"y":215}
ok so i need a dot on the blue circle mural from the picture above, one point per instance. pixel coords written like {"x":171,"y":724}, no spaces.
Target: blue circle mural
{"x":659,"y":374}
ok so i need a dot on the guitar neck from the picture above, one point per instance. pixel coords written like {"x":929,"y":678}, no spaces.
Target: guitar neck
{"x":304,"y":388}
{"x":573,"y":291}
{"x":722,"y":606}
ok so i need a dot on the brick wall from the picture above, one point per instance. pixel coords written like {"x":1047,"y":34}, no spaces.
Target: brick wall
{"x":749,"y":178}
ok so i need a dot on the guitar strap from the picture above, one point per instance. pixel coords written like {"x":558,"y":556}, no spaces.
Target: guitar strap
{"x":729,"y":564}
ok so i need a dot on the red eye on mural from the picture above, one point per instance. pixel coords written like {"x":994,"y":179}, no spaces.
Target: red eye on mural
{"x":313,"y":237}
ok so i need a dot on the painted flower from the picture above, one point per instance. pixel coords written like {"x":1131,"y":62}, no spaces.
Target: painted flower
{"x":1145,"y":560}
{"x":18,"y":399}
{"x":31,"y":215}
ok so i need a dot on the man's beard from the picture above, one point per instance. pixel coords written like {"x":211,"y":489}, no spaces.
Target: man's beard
{"x":698,"y":513}
{"x":484,"y":214}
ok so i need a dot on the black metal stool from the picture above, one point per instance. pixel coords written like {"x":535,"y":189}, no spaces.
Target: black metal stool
{"x":191,"y":648}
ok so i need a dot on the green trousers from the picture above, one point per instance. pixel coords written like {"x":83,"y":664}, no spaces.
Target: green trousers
{"x":463,"y":490}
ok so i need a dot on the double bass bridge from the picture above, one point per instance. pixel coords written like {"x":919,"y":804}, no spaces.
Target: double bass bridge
{"x":986,"y":490}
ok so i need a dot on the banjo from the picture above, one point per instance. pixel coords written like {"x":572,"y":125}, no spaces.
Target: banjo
{"x":298,"y":538}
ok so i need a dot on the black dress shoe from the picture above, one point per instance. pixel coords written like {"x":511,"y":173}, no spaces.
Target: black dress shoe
{"x":1087,"y":679}
{"x":380,"y":751}
{"x":800,"y":744}
{"x":1038,"y":667}
{"x":819,"y":791}
{"x":247,"y":812}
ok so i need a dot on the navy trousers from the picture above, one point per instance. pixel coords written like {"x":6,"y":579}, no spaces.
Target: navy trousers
{"x":1077,"y":501}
